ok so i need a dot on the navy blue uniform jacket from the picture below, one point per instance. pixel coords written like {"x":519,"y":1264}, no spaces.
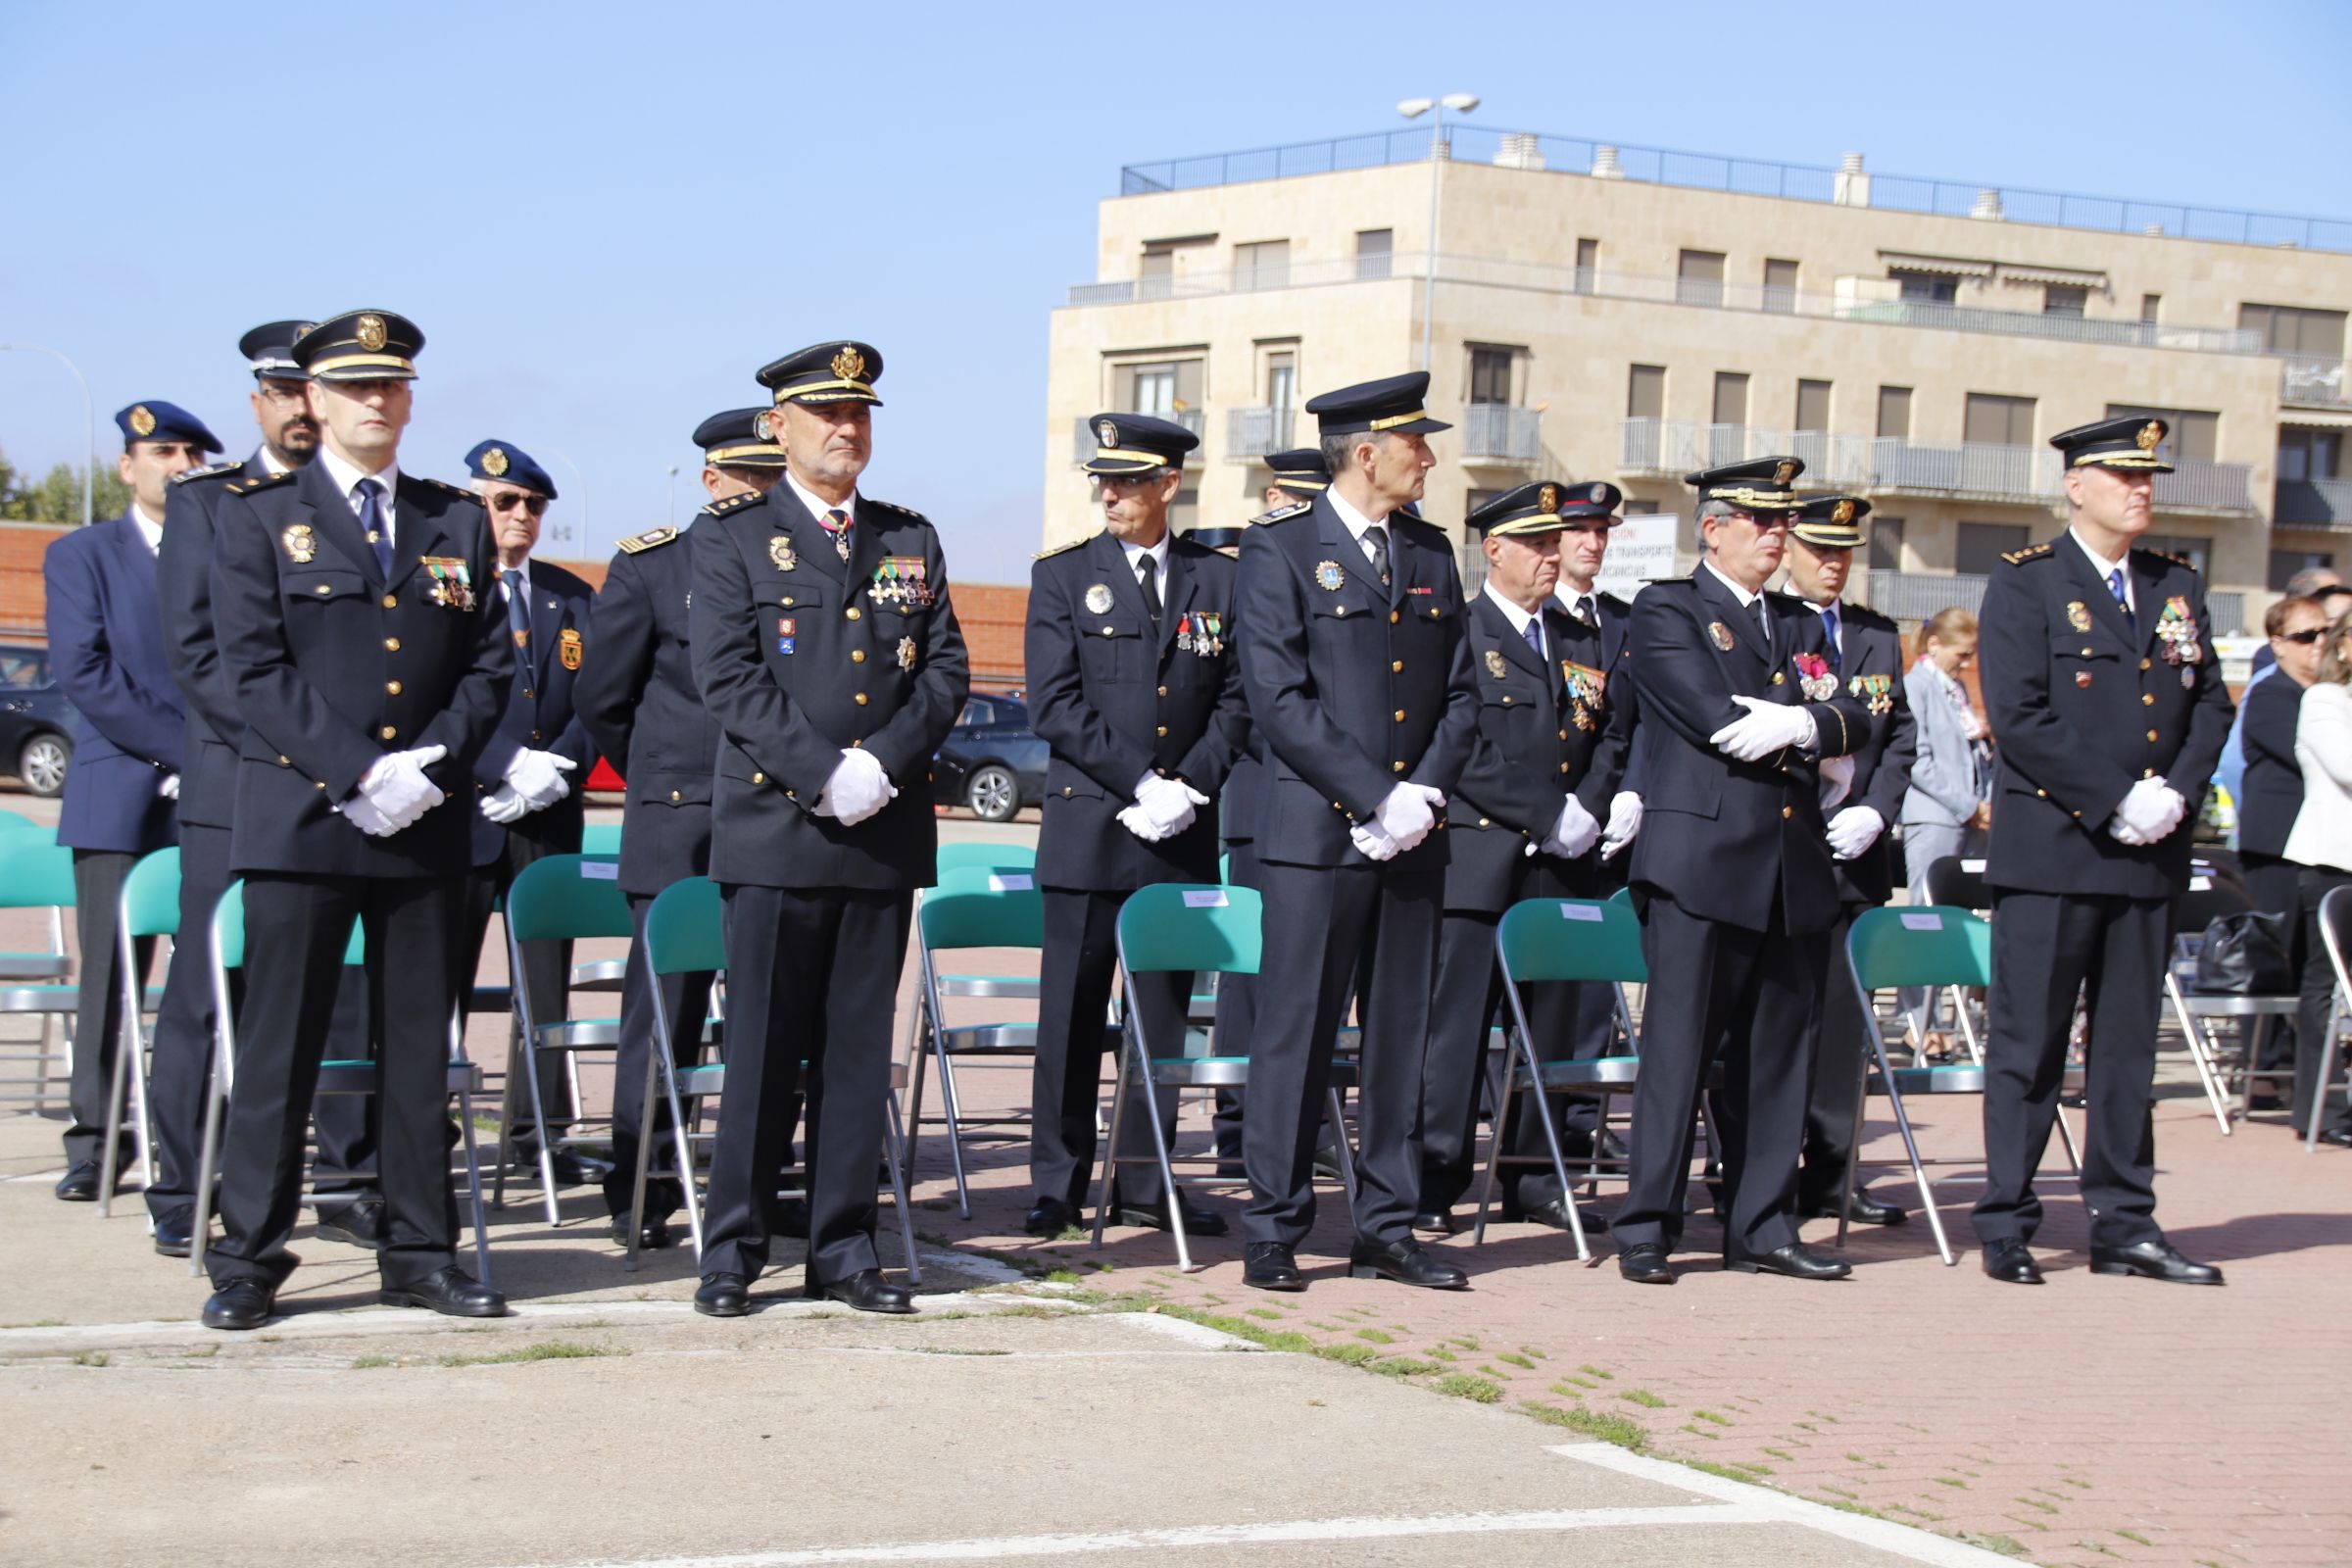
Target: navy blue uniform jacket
{"x":1874,"y":647}
{"x":540,"y":714}
{"x":208,"y":774}
{"x":106,"y":647}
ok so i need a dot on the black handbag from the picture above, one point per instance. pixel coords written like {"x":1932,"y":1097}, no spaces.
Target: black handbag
{"x":2245,"y":954}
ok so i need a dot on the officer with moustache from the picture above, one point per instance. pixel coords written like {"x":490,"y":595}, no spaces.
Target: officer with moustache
{"x":1132,"y":683}
{"x":371,"y":662}
{"x":1523,"y":820}
{"x":638,"y":700}
{"x":1358,"y":670}
{"x":2100,"y":673}
{"x":825,"y":646}
{"x":1731,"y":875}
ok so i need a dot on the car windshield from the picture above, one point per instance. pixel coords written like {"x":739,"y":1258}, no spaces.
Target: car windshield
{"x":24,"y":668}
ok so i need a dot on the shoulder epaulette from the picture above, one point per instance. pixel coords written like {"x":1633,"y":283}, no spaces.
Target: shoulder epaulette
{"x":1864,"y":615}
{"x":2166,"y":554}
{"x":260,"y":481}
{"x":448,"y":489}
{"x":1297,"y":508}
{"x":1055,"y":550}
{"x":2017,"y":557}
{"x":901,"y":512}
{"x":719,"y":509}
{"x":209,"y":470}
{"x":647,"y":540}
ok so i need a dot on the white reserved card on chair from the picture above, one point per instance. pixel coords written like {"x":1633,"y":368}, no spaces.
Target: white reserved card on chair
{"x":1581,"y":912}
{"x":1204,"y":898}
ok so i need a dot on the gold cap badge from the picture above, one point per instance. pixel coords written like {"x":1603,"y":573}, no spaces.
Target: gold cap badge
{"x":849,"y":364}
{"x":1843,"y":511}
{"x":372,"y":332}
{"x":1549,"y":498}
{"x":494,"y":463}
{"x":2149,"y":434}
{"x":1107,"y":432}
{"x":1782,"y":475}
{"x":142,"y":421}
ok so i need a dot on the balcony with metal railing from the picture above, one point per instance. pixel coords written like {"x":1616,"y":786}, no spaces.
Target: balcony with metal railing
{"x":1254,"y":433}
{"x":1500,"y":435}
{"x":2312,"y":504}
{"x":1193,"y":419}
{"x":1920,"y":594}
{"x":2314,"y":382}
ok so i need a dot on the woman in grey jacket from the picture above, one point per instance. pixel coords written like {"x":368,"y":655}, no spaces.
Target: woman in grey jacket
{"x":1945,"y":811}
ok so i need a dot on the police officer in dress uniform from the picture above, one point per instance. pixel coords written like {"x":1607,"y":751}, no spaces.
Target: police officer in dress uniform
{"x":1731,"y":875}
{"x":1134,"y":685}
{"x":370,"y":659}
{"x":107,"y":657}
{"x":527,"y":798}
{"x":2106,"y":695}
{"x":1866,"y":653}
{"x":1523,"y":820}
{"x":826,"y":648}
{"x":1357,"y":670}
{"x":638,"y":698}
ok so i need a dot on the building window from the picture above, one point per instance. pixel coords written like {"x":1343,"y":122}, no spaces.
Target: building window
{"x":2149,"y":306}
{"x":1158,"y":278}
{"x":2308,"y":454}
{"x":1588,"y":265}
{"x":1645,"y":392}
{"x":1166,"y":388}
{"x":1812,"y":404}
{"x":2285,"y":563}
{"x":1998,"y":422}
{"x":1698,"y":280}
{"x":2292,"y":329}
{"x":1490,"y":374}
{"x":1982,"y":544}
{"x":2064,"y":299}
{"x":1264,"y":265}
{"x":1375,"y":250}
{"x":1780,"y":284}
{"x":1731,"y":398}
{"x":2191,"y":434}
{"x":1925,"y":288}
{"x":1474,"y":555}
{"x":1894,"y":414}
{"x":1882,"y":540}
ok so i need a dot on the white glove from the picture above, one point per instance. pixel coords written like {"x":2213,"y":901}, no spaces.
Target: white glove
{"x":1854,"y":830}
{"x":1374,"y":844}
{"x":503,"y":805}
{"x":858,"y":789}
{"x":538,"y":777}
{"x":1409,"y":812}
{"x":1574,"y":833}
{"x":1765,"y":728}
{"x":168,"y":788}
{"x":397,"y":787}
{"x":1168,"y":802}
{"x":1625,"y":821}
{"x":361,"y":813}
{"x":1140,"y":822}
{"x":1836,"y":780}
{"x":2148,"y":813}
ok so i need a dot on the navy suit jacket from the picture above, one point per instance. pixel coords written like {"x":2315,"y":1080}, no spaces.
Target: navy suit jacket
{"x":207,"y":775}
{"x":106,"y":646}
{"x":540,"y":714}
{"x":2273,"y":790}
{"x":1874,"y":645}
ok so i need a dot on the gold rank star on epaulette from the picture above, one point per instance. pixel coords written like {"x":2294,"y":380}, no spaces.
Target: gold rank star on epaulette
{"x":260,"y":481}
{"x":2017,"y":557}
{"x":719,"y":509}
{"x":1297,"y":508}
{"x":648,"y":540}
{"x":208,"y":470}
{"x":1055,"y":550}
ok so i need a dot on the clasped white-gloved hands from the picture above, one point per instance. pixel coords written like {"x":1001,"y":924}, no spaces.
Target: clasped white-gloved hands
{"x":2147,"y":812}
{"x":1163,"y":807}
{"x":394,"y":792}
{"x":1574,"y":833}
{"x":1854,"y":830}
{"x":538,"y":777}
{"x":168,"y":786}
{"x":503,"y":805}
{"x":1837,"y":781}
{"x":1407,"y":814}
{"x":1625,"y":821}
{"x":1371,"y":843}
{"x":857,"y":788}
{"x":1765,"y":728}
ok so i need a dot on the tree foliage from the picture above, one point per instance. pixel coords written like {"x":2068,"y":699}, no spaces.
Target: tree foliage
{"x":56,"y":497}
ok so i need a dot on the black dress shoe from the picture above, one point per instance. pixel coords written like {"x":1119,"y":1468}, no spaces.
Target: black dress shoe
{"x":1433,"y":1223}
{"x":1555,"y":1215}
{"x":2340,"y":1137}
{"x":1197,"y":1221}
{"x":866,"y":1291}
{"x":654,"y":1237}
{"x":1868,"y":1210}
{"x":80,"y":1184}
{"x":1576,"y":1147}
{"x":1796,"y":1260}
{"x":175,"y":1231}
{"x":1271,"y":1266}
{"x":723,"y":1295}
{"x":1645,"y":1264}
{"x":239,"y":1305}
{"x":359,"y":1223}
{"x":1408,"y":1262}
{"x":449,"y":1291}
{"x":1048,"y":1219}
{"x":2011,"y":1262}
{"x":2158,"y":1260}
{"x":1327,"y":1166}
{"x":573,"y":1169}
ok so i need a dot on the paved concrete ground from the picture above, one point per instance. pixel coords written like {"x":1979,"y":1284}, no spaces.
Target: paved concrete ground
{"x":2093,"y":1420}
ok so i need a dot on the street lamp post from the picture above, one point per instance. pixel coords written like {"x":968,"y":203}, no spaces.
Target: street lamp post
{"x":1461,"y":103}
{"x":89,"y":421}
{"x":669,"y":511}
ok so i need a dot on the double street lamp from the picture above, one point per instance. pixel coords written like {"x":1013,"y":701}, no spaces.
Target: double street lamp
{"x":1461,"y":103}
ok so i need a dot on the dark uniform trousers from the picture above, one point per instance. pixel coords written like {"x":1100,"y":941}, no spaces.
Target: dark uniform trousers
{"x":546,"y":972}
{"x":1839,"y":1054}
{"x":1237,"y":1006}
{"x":98,"y":1015}
{"x":687,"y":999}
{"x":1074,"y":978}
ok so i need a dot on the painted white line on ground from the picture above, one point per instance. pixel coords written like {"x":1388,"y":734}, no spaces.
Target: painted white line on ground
{"x":1883,"y":1535}
{"x":1200,"y":1334}
{"x":1290,"y":1532}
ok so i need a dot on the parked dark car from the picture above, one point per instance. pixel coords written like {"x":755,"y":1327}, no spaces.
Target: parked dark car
{"x":992,"y":764}
{"x":37,"y":723}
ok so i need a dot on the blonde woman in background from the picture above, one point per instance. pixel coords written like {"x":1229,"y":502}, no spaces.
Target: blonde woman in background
{"x":2321,"y":843}
{"x":1945,"y":811}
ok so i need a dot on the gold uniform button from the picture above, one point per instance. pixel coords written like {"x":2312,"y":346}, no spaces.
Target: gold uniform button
{"x":785,"y":601}
{"x":1400,"y":715}
{"x":1395,"y":666}
{"x":535,"y":735}
{"x":1563,"y":768}
{"x":389,"y":732}
{"x":393,"y":686}
{"x":2147,"y":772}
{"x":1066,"y":790}
{"x":1563,"y":734}
{"x":391,"y":601}
{"x":759,"y":778}
{"x":1163,"y":732}
{"x":791,"y":795}
{"x":859,"y":698}
{"x":857,"y":656}
{"x":2147,"y":663}
{"x":1395,"y":618}
{"x":852,"y":612}
{"x":1164,"y":691}
{"x":1395,"y":767}
{"x":1507,"y":699}
{"x":527,"y":692}
{"x":2078,"y":816}
{"x":1787,"y":811}
{"x":2086,"y":653}
{"x":284,"y":762}
{"x":2151,"y":737}
{"x":2042,"y":793}
{"x":391,"y":645}
{"x":676,"y":797}
{"x":1779,"y":679}
{"x":324,"y":589}
{"x":319,"y":785}
{"x":1339,"y":609}
{"x":1482,"y":822}
{"x":2147,"y":699}
{"x":1110,"y":631}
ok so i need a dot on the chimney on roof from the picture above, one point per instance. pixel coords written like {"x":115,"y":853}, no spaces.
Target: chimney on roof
{"x":1853,"y":185}
{"x":1604,"y":163}
{"x":1988,"y":206}
{"x":1520,"y":149}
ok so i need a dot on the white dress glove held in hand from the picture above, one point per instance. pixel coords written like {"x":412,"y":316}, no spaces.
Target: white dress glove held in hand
{"x":2149,"y":812}
{"x":857,"y":790}
{"x":364,"y":816}
{"x":1765,"y":728}
{"x":504,"y":806}
{"x":1409,"y":812}
{"x":1372,"y":842}
{"x":1837,"y":781}
{"x":396,"y":785}
{"x":1625,"y":821}
{"x":1854,"y":830}
{"x":1169,"y":803}
{"x":1574,"y":833}
{"x":168,"y":789}
{"x":1140,"y":822}
{"x":538,"y":777}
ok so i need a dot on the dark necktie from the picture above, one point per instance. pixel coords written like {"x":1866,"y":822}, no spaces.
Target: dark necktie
{"x":1755,"y":614}
{"x":1535,"y":637}
{"x":1151,"y":583}
{"x":372,"y":523}
{"x":1829,"y":624}
{"x":519,"y":617}
{"x":1376,"y":538}
{"x":2123,"y":602}
{"x":837,"y":524}
{"x":1584,"y":610}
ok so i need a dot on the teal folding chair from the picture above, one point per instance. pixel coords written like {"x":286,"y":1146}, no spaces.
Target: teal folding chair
{"x":148,"y":909}
{"x":558,"y":898}
{"x":335,"y":1077}
{"x":1207,"y":930}
{"x":1551,"y":940}
{"x":36,"y":872}
{"x":964,"y":855}
{"x":1929,"y":948}
{"x":685,"y":933}
{"x":601,"y":838}
{"x":600,"y":841}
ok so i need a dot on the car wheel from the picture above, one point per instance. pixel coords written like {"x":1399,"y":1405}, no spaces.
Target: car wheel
{"x":993,"y":793}
{"x":41,"y":764}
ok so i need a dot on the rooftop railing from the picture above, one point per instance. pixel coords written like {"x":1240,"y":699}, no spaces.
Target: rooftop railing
{"x":1852,"y":187}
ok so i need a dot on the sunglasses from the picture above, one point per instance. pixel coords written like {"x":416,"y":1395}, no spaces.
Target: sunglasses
{"x":536,"y":505}
{"x":2306,"y":636}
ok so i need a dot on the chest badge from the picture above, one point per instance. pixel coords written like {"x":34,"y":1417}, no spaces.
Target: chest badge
{"x":901,"y":580}
{"x":453,"y":582}
{"x":1098,"y":598}
{"x":1875,"y":690}
{"x":1588,"y":693}
{"x":2177,"y":629}
{"x":906,"y":653}
{"x":781,"y":553}
{"x":786,"y":629}
{"x":1495,"y":666}
{"x":302,"y":548}
{"x":2077,"y":614}
{"x":2081,"y":677}
{"x":1722,"y":635}
{"x":1201,"y":634}
{"x":568,"y":648}
{"x":1328,"y":576}
{"x":1814,"y":678}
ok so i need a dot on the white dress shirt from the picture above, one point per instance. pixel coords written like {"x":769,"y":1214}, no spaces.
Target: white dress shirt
{"x":347,"y":478}
{"x":1357,"y":522}
{"x":2102,"y":565}
{"x":1745,"y":597}
{"x":817,"y":505}
{"x":1159,"y":561}
{"x":1519,"y":619}
{"x":149,"y":528}
{"x":1569,"y":598}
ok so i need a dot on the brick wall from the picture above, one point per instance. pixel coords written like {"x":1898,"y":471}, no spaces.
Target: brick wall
{"x":24,"y":606}
{"x":992,"y":618}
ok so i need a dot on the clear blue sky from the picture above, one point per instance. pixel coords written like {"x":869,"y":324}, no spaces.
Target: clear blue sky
{"x":607,"y":217}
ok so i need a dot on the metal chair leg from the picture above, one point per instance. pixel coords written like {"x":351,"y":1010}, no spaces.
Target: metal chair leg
{"x":110,"y":1157}
{"x":2199,"y":1051}
{"x":645,"y":1146}
{"x":2318,"y":1095}
{"x":893,"y":1149}
{"x":949,"y":1108}
{"x":474,"y":1185}
{"x":1111,"y":1151}
{"x":1336,"y":1110}
{"x":214,"y":1100}
{"x":917,"y":1047}
{"x":1540,"y":1106}
{"x":506,"y":1128}
{"x":1167,"y":1173}
{"x":1501,"y":1080}
{"x":546,"y":1134}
